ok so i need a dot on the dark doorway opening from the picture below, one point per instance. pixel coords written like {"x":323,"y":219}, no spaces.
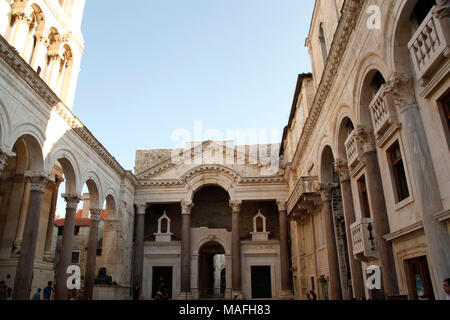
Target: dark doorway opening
{"x":162,"y":281}
{"x":261,"y":282}
{"x":211,"y":271}
{"x":420,"y":280}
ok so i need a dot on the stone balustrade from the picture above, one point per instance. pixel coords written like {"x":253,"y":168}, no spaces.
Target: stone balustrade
{"x":382,"y":109}
{"x":305,"y":186}
{"x":430,"y":45}
{"x":354,"y":149}
{"x":363,"y":238}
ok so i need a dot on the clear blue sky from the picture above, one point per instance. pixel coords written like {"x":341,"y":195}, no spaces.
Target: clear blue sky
{"x":153,"y":66}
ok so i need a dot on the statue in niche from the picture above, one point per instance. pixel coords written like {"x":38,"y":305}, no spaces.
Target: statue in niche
{"x":260,"y":228}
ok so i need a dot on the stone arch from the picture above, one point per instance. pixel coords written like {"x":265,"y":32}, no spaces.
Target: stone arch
{"x":70,"y":167}
{"x":343,"y":130}
{"x":94,"y":187}
{"x":369,"y":65}
{"x":110,"y":207}
{"x":34,"y":151}
{"x":4,"y":123}
{"x":373,"y":77}
{"x":327,"y":171}
{"x":400,"y":33}
{"x":209,"y":239}
{"x":210,"y":175}
{"x":28,"y":129}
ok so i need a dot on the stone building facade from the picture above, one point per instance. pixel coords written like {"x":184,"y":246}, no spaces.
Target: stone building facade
{"x":360,"y":182}
{"x":366,"y":151}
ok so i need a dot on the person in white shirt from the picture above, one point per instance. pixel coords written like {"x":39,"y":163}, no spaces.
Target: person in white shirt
{"x":447,"y":288}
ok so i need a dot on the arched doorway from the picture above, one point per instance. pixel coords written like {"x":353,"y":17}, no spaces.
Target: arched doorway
{"x":211,"y":266}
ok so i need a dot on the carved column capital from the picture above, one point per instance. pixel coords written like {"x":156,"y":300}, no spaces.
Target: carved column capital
{"x":442,"y":9}
{"x":236,"y":205}
{"x":326,"y":191}
{"x":282,"y":205}
{"x":39,"y":180}
{"x":95,"y":214}
{"x":4,"y":155}
{"x":141,"y":208}
{"x":186,"y":207}
{"x":342,"y":169}
{"x":72,"y":200}
{"x":401,"y":86}
{"x":365,"y":138}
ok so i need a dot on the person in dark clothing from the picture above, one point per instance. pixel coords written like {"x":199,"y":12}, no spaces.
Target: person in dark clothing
{"x":48,"y":291}
{"x":136,"y":292}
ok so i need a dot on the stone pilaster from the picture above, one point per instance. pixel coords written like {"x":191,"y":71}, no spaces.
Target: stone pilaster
{"x":72,"y":201}
{"x":349,"y":216}
{"x":186,"y":208}
{"x":333,"y":260}
{"x":286,"y":284}
{"x":138,"y":273}
{"x":236,"y":249}
{"x":89,"y":274}
{"x":24,"y":271}
{"x":378,"y":210}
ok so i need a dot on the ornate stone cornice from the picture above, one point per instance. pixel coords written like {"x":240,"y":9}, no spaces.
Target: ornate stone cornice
{"x":72,"y":200}
{"x":186,"y":206}
{"x":236,"y":205}
{"x":350,"y":14}
{"x":95,"y":214}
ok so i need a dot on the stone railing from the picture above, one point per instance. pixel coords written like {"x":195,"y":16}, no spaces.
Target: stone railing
{"x":354,"y":149}
{"x":430,"y":44}
{"x":383,"y":112}
{"x":306,"y":185}
{"x":363,"y":238}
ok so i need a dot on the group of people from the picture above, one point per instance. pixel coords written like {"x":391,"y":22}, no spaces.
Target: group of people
{"x":48,"y":293}
{"x":5,"y":289}
{"x":162,"y":292}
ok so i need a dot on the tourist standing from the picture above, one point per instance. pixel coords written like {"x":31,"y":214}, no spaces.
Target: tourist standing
{"x":48,"y":291}
{"x":37,"y":295}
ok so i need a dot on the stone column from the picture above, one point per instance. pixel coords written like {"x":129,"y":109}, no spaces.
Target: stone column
{"x":24,"y":271}
{"x":186,"y":208}
{"x":48,"y":254}
{"x":89,"y":274}
{"x":333,"y":260}
{"x":139,"y":249}
{"x":379,"y":211}
{"x":286,"y":285}
{"x":349,"y":216}
{"x":23,"y":216}
{"x":65,"y":257}
{"x":421,"y":165}
{"x":236,"y":248}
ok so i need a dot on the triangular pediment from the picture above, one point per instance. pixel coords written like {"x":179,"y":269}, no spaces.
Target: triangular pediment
{"x":245,"y":160}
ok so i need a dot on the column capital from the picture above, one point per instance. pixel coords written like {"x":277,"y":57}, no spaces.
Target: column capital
{"x":365,"y":138}
{"x":342,"y":169}
{"x":186,"y":207}
{"x":95,"y":214}
{"x":326,"y":191}
{"x":141,"y":208}
{"x":4,"y":155}
{"x":39,"y":180}
{"x":401,"y":86}
{"x":72,"y":200}
{"x":442,"y":9}
{"x":236,"y":205}
{"x":282,"y":205}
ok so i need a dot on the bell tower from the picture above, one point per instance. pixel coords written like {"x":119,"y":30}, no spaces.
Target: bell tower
{"x":47,"y":34}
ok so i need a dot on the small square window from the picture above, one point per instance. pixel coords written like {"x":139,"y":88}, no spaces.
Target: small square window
{"x":75,"y":257}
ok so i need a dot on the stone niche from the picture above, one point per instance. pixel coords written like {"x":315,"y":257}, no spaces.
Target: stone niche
{"x":260,"y":234}
{"x":163,"y":235}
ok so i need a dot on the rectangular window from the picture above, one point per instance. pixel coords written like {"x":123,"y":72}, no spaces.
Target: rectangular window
{"x":77,"y":231}
{"x":398,"y":171}
{"x":364,"y":197}
{"x":75,"y":257}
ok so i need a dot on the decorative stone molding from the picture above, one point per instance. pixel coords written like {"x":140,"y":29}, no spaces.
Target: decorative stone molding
{"x":72,"y":201}
{"x":351,"y":12}
{"x":95,"y":214}
{"x":442,"y":9}
{"x":186,"y":207}
{"x":236,"y":205}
